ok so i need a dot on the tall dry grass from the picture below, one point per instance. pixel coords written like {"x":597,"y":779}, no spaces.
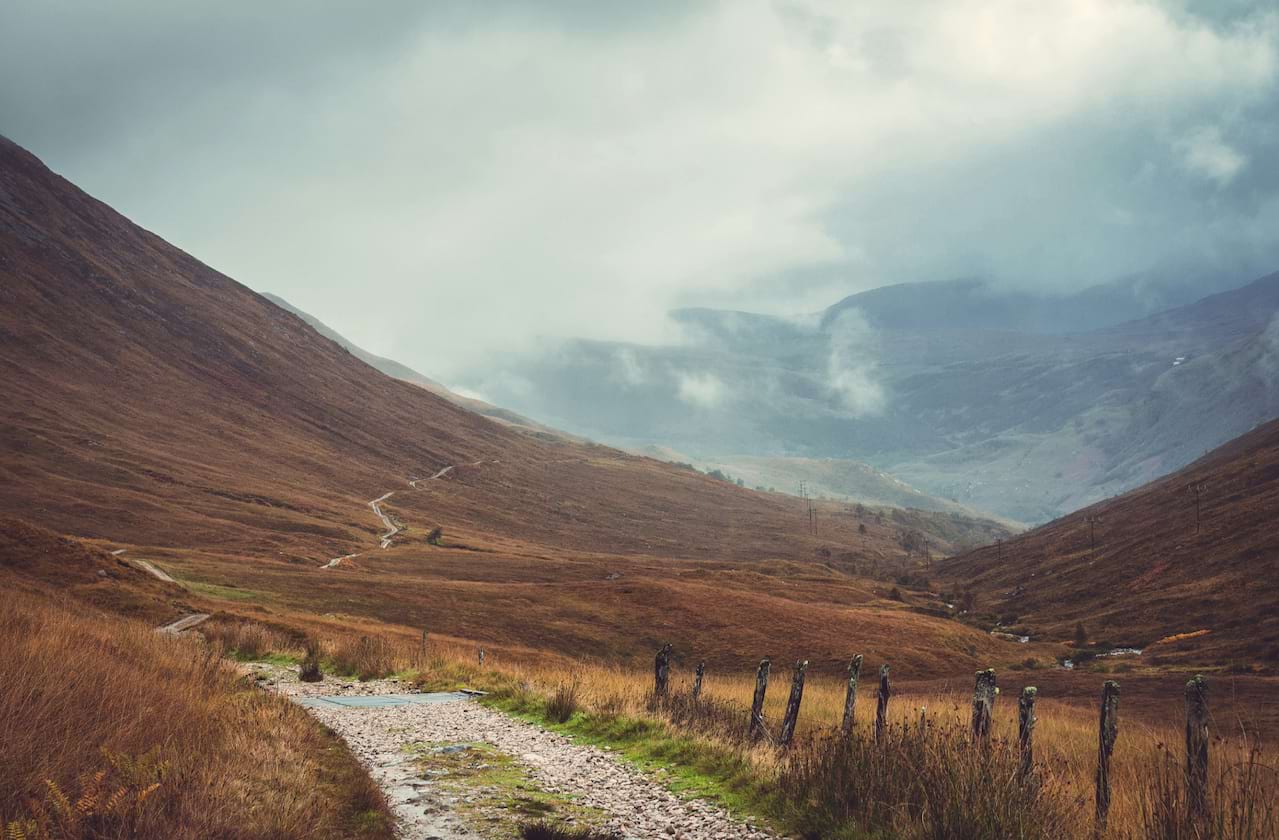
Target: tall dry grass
{"x":110,"y":729}
{"x":913,"y":786}
{"x":930,"y":786}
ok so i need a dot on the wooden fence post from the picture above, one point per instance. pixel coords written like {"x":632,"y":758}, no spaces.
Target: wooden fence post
{"x":1026,"y":732}
{"x":1108,"y":731}
{"x":662,"y":671}
{"x":481,"y":657}
{"x":792,"y":705}
{"x":983,"y":705}
{"x":757,"y":706}
{"x":697,"y":681}
{"x":850,"y":699}
{"x":1197,"y":747}
{"x":881,"y":706}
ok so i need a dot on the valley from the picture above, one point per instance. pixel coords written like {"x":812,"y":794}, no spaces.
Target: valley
{"x":179,"y":452}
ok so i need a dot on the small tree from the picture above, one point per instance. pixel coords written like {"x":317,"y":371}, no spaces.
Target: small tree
{"x":437,"y":534}
{"x":1081,"y":635}
{"x":861,"y":527}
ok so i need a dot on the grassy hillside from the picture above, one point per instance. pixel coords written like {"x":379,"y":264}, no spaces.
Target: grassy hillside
{"x":113,"y":730}
{"x":1188,"y":588}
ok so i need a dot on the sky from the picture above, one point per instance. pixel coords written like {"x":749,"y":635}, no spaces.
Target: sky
{"x":445,"y":181}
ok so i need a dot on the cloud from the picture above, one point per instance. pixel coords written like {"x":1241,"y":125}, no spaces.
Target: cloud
{"x":443,"y":180}
{"x":851,"y":367}
{"x":628,"y":369}
{"x":701,"y":390}
{"x":1205,"y":153}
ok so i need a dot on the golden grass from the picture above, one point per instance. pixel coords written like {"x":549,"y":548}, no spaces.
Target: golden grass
{"x":112,"y":730}
{"x":1065,"y":738}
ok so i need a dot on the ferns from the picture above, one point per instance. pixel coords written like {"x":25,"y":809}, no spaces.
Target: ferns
{"x":111,"y":802}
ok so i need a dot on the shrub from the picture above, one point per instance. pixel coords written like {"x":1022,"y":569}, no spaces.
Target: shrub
{"x":246,"y":640}
{"x":437,"y":534}
{"x":563,"y":703}
{"x":366,"y":658}
{"x":707,"y":716}
{"x":310,"y":671}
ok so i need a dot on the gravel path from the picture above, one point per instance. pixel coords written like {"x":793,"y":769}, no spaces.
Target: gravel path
{"x":638,"y":806}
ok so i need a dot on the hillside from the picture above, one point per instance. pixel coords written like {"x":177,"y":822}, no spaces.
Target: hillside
{"x":396,"y":370}
{"x":1000,"y":402}
{"x":156,"y":405}
{"x":1154,"y":574}
{"x":836,"y":479}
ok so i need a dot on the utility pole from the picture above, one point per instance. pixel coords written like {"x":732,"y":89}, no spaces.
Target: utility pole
{"x":808,"y":504}
{"x":1092,"y":535}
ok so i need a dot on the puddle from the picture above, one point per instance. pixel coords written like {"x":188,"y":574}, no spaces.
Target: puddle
{"x":378,"y":701}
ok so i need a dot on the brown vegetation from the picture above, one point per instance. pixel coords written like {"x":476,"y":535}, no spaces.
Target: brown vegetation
{"x":112,"y":730}
{"x":1197,"y":589}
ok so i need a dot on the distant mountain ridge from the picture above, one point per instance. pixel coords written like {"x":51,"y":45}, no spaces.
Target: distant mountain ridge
{"x":976,"y":304}
{"x":978,"y":396}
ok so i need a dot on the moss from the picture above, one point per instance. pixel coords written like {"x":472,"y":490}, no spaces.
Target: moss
{"x":500,"y":793}
{"x":687,"y":766}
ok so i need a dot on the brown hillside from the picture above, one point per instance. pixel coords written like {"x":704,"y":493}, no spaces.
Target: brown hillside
{"x":1154,"y":575}
{"x":155,"y":404}
{"x":35,"y":560}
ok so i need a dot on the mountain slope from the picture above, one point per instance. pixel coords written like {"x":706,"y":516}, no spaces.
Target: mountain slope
{"x":158,"y":405}
{"x":405,"y":373}
{"x":1155,"y":573}
{"x":923,"y":384}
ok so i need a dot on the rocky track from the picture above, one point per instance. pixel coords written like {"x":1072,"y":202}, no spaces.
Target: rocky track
{"x":636,"y":805}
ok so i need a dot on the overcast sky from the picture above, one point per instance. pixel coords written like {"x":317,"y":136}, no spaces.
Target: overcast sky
{"x":437,"y":180}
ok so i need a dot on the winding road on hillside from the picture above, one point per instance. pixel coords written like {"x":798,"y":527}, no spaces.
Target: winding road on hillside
{"x":392,"y":528}
{"x":423,"y":749}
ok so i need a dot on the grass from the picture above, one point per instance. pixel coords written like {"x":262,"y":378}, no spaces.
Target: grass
{"x":911,"y":785}
{"x":497,"y":792}
{"x":543,"y":830}
{"x":226,"y":593}
{"x":112,"y":730}
{"x":932,"y":785}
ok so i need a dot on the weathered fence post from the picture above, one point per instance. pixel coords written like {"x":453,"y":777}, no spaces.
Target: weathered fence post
{"x":1026,"y":732}
{"x":757,"y":706}
{"x":792,"y":705}
{"x":881,"y":706}
{"x":697,"y":681}
{"x":1197,"y":747}
{"x":481,"y":657}
{"x":422,"y":652}
{"x":1108,"y":730}
{"x":850,"y":699}
{"x":983,"y":705}
{"x":662,"y":671}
